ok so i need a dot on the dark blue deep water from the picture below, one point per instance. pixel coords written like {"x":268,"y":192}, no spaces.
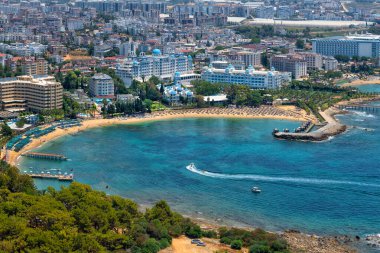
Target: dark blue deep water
{"x":331,"y":187}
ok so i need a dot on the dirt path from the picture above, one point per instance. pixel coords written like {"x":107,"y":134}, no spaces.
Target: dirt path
{"x":183,"y":245}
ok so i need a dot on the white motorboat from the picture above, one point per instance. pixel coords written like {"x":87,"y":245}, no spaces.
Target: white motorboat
{"x":255,"y":189}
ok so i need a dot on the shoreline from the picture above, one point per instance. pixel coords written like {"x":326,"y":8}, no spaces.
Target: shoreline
{"x":298,"y":241}
{"x":375,"y":81}
{"x":332,"y":127}
{"x":267,"y":112}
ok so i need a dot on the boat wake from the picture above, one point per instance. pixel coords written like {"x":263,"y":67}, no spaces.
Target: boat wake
{"x":299,"y":180}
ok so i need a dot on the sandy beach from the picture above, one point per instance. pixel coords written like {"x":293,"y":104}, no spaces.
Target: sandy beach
{"x":374,"y":80}
{"x":263,"y":112}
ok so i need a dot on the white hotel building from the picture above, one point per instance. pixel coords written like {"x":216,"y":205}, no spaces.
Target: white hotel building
{"x":101,"y":85}
{"x":146,"y":66}
{"x":250,"y":77}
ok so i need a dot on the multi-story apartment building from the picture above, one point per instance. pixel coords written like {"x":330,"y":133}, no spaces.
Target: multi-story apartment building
{"x":239,"y":57}
{"x":330,"y":63}
{"x":101,"y":85}
{"x":250,"y":77}
{"x":367,"y":45}
{"x":265,"y":12}
{"x":28,"y":65}
{"x":74,"y":24}
{"x":146,"y":66}
{"x":128,"y":48}
{"x":290,"y":63}
{"x":313,"y":60}
{"x":30,"y":93}
{"x":34,"y":67}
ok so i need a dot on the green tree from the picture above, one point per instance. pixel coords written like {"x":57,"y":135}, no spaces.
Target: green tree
{"x":21,"y":122}
{"x":70,"y":81}
{"x":6,"y":130}
{"x":300,"y":43}
{"x":148,"y":105}
{"x":256,"y":40}
{"x":236,"y":244}
{"x":260,"y":249}
{"x":199,"y":100}
{"x":342,"y":58}
{"x":155,"y":80}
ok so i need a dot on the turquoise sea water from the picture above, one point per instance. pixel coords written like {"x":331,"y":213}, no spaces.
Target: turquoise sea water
{"x":331,"y":187}
{"x":369,"y":88}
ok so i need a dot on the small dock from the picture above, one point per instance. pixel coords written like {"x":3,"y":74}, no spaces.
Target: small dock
{"x":60,"y":177}
{"x":360,"y":107}
{"x":56,"y":157}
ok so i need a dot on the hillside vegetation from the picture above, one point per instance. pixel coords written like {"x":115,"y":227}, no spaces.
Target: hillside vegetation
{"x":80,"y":219}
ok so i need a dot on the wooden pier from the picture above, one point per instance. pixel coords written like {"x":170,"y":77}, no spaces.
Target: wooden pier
{"x":360,"y":107}
{"x":45,"y":156}
{"x":60,"y":177}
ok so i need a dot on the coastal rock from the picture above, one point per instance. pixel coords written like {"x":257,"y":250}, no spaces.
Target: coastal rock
{"x":304,"y":243}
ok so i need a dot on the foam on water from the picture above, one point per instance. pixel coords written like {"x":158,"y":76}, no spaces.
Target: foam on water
{"x":363,"y":114}
{"x":277,"y":179}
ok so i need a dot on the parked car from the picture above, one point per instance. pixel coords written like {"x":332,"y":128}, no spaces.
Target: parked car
{"x":195,"y":241}
{"x":201,"y":244}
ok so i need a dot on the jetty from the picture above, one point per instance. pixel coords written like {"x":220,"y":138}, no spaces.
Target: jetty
{"x":360,"y":107}
{"x":331,"y":128}
{"x":56,"y":157}
{"x":60,"y":177}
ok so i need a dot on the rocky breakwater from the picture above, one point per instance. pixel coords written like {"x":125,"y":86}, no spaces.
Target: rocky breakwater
{"x":332,"y":127}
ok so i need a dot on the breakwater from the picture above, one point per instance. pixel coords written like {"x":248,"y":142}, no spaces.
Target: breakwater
{"x":332,"y":127}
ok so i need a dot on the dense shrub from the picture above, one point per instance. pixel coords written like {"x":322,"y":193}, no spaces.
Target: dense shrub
{"x":236,"y":244}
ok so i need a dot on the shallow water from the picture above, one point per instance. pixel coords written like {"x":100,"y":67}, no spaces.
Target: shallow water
{"x":328,"y":188}
{"x":369,"y":88}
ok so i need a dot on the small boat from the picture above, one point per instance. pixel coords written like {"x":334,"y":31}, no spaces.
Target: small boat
{"x":255,"y":189}
{"x":191,"y":166}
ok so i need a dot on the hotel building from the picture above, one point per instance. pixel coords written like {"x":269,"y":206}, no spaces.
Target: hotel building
{"x":295,"y":64}
{"x":30,"y":93}
{"x":146,"y":66}
{"x":366,"y":45}
{"x":313,"y":60}
{"x":250,"y":77}
{"x":101,"y":85}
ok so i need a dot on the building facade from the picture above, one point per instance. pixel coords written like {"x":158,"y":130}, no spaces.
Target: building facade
{"x":101,"y":85}
{"x":29,"y":93}
{"x":290,"y":63}
{"x":313,"y":60}
{"x":250,"y":77}
{"x":330,"y":63}
{"x":162,"y":66}
{"x":367,"y":45}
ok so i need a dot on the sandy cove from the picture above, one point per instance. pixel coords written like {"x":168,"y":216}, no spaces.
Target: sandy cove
{"x":263,"y":112}
{"x":298,"y":242}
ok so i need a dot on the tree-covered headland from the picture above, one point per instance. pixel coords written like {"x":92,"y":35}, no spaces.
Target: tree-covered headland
{"x":79,"y":219}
